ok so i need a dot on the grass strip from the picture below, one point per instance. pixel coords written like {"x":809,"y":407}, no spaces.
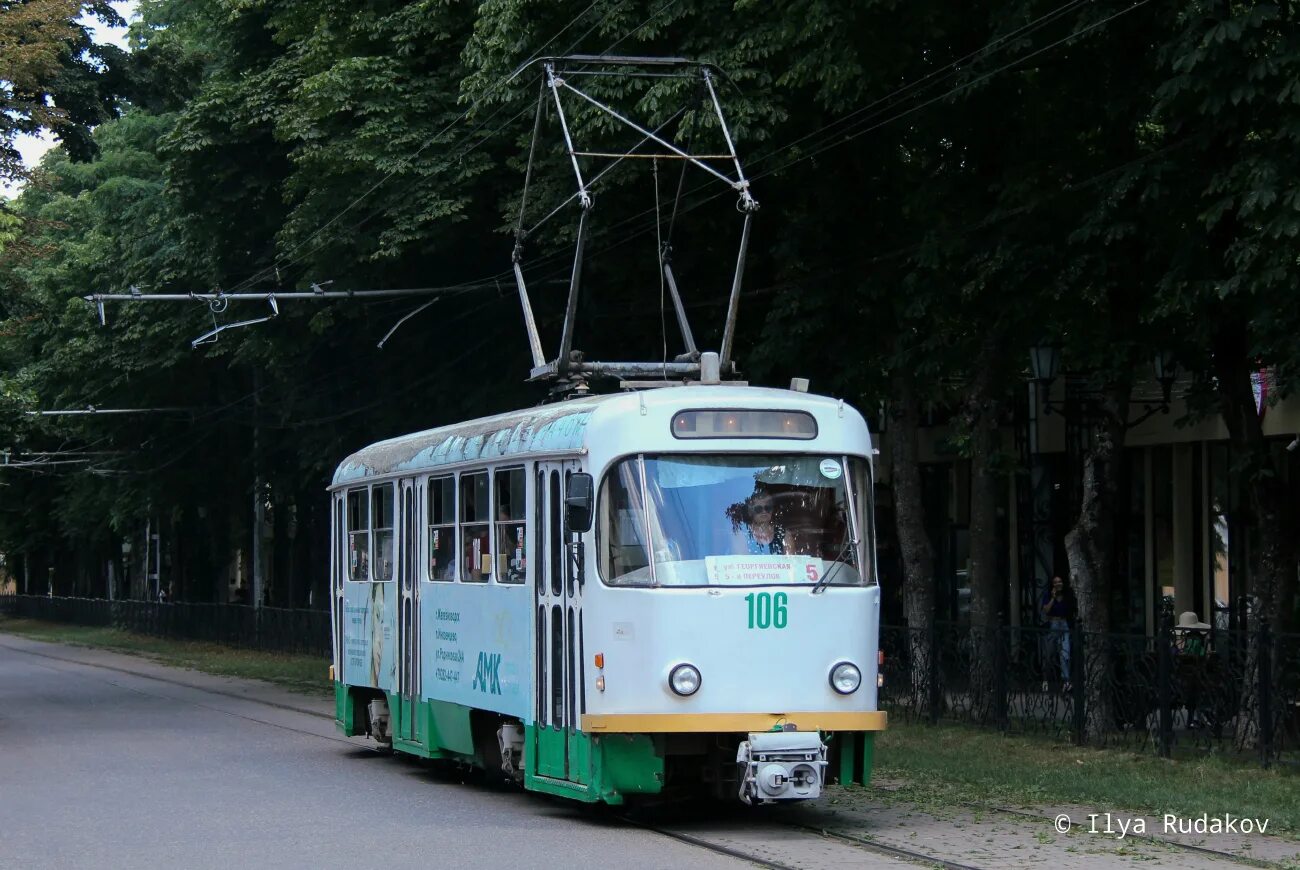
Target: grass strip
{"x":307,"y":675}
{"x":945,"y":765}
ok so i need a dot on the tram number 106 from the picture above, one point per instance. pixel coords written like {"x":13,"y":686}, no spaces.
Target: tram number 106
{"x":767,"y":610}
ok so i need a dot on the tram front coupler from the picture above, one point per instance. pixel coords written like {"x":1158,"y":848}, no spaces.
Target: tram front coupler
{"x":781,"y":766}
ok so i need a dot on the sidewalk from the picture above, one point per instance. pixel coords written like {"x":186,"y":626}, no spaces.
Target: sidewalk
{"x":244,"y":689}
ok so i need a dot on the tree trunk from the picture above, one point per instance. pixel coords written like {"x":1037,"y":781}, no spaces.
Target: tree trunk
{"x":1253,"y":464}
{"x":1258,"y":474}
{"x":913,"y":541}
{"x":987,"y":485}
{"x":1090,"y":548}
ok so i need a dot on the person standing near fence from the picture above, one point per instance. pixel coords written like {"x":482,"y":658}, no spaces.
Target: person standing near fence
{"x":1058,"y":609}
{"x":1192,"y":646}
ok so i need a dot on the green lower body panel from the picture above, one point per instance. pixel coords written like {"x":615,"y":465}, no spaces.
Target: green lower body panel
{"x":346,"y":711}
{"x":603,"y":768}
{"x":427,"y":728}
{"x":856,"y":752}
{"x":416,"y":732}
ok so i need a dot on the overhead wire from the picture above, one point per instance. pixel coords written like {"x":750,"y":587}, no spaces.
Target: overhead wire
{"x":859,"y":131}
{"x":945,"y":71}
{"x":208,"y":423}
{"x":856,"y":128}
{"x":775,"y":170}
{"x":955,"y":90}
{"x":286,"y":259}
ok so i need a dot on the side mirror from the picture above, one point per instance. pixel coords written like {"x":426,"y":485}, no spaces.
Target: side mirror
{"x":578,"y":502}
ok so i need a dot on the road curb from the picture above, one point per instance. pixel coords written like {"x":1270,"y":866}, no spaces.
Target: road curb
{"x":147,"y":674}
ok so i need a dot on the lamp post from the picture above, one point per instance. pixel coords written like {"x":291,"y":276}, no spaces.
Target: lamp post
{"x":126,"y":566}
{"x":1166,"y":372}
{"x":1045,"y":366}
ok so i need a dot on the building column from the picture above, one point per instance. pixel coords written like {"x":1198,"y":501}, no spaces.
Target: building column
{"x":1013,"y":547}
{"x":1148,"y":538}
{"x":1184,"y":531}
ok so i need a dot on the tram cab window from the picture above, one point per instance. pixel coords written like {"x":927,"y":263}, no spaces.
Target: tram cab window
{"x":359,"y":534}
{"x":475,"y":528}
{"x":622,"y":522}
{"x":735,"y":520}
{"x":382,"y":514}
{"x":511,"y":529}
{"x":442,"y":528}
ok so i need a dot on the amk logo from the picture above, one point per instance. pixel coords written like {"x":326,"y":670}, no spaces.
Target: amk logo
{"x":487,"y":677}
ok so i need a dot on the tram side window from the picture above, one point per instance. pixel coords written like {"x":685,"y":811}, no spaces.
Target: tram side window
{"x":442,"y":528}
{"x":475,"y":528}
{"x":359,"y":534}
{"x":622,"y":522}
{"x":382,"y":513}
{"x":511,"y":527}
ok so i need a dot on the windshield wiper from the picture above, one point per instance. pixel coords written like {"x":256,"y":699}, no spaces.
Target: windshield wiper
{"x":821,"y":584}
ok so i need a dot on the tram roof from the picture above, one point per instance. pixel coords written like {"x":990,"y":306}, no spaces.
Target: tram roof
{"x":556,"y":428}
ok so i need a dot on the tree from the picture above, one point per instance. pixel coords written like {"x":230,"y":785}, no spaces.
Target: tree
{"x":1228,"y":90}
{"x":52,"y":76}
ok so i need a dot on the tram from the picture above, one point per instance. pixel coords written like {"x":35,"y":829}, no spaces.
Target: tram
{"x":652,"y":592}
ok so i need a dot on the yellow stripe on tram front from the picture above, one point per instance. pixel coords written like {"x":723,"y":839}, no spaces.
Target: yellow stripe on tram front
{"x":661,"y":723}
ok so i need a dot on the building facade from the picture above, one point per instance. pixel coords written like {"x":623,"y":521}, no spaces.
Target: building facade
{"x":1183,"y":532}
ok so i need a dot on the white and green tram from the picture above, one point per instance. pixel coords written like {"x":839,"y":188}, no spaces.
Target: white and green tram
{"x":671,"y":590}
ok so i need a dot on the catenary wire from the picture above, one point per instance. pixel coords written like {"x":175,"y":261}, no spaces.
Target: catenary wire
{"x":291,"y":260}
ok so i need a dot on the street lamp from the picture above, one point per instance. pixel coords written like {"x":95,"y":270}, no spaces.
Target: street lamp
{"x":1045,"y":362}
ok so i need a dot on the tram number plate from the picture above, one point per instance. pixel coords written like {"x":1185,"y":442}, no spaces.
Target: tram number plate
{"x":767,"y":610}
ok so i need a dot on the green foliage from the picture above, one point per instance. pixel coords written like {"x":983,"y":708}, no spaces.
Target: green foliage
{"x":942,"y":187}
{"x":52,"y":77}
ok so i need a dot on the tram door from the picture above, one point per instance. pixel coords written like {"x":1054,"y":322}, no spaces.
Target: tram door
{"x":558,"y":618}
{"x":408,"y":637}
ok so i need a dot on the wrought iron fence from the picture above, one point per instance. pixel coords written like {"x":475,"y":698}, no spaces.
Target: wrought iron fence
{"x":270,"y":629}
{"x":1171,"y":693}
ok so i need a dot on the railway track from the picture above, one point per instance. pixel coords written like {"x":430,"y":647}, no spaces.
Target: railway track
{"x":783,"y":845}
{"x":820,"y":848}
{"x":816,"y":839}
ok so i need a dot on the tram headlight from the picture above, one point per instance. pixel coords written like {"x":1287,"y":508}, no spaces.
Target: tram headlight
{"x":845,"y":678}
{"x":684,"y":680}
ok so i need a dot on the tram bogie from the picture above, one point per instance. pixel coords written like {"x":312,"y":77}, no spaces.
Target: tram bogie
{"x":618,"y":596}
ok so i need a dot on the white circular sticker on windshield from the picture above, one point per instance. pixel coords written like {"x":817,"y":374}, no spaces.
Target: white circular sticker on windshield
{"x":831,"y":469}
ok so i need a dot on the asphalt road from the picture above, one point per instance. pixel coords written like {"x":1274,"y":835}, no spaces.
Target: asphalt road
{"x":108,"y":760}
{"x":100,"y":768}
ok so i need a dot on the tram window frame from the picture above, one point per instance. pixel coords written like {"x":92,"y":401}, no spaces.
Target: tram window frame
{"x":515,"y":480}
{"x":862,"y":491}
{"x":479,"y":525}
{"x":410,"y":533}
{"x":439,"y":523}
{"x":856,"y":502}
{"x":339,"y":535}
{"x":556,"y":568}
{"x":382,"y":533}
{"x":558,"y":667}
{"x":358,"y":529}
{"x":539,"y":533}
{"x":543,"y":706}
{"x":338,"y":575}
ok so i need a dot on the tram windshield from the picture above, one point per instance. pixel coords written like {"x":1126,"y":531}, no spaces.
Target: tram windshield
{"x":735,"y":520}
